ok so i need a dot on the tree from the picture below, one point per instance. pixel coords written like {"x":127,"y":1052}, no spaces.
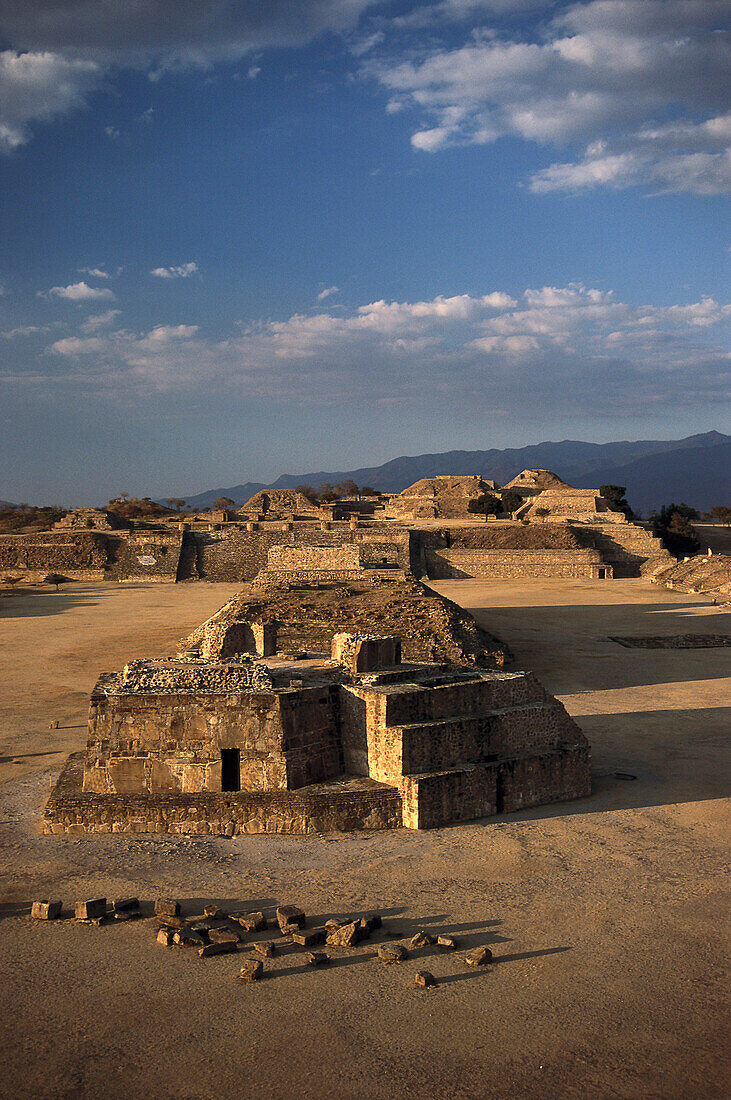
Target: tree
{"x":673,"y":525}
{"x":347,"y":488}
{"x":512,"y":501}
{"x":615,"y":498}
{"x":485,"y":505}
{"x":368,"y":491}
{"x":55,"y":578}
{"x":307,"y":492}
{"x":177,"y":503}
{"x":721,"y":514}
{"x":326,"y":492}
{"x":542,"y":512}
{"x":221,"y":503}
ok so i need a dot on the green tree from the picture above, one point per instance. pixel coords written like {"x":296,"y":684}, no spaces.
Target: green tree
{"x":221,"y":503}
{"x":615,"y":498}
{"x":485,"y":505}
{"x":512,"y":501}
{"x":673,"y":525}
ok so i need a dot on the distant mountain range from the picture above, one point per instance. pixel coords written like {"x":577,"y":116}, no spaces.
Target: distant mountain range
{"x":655,"y":472}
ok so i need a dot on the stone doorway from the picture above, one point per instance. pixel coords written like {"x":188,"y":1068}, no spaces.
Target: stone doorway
{"x":230,"y":770}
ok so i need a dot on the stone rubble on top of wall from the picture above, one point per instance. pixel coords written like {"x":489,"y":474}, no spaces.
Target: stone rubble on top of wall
{"x":188,"y":676}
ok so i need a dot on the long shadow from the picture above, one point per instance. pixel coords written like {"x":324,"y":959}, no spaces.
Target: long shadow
{"x":29,"y":755}
{"x":482,"y":971}
{"x":38,"y":604}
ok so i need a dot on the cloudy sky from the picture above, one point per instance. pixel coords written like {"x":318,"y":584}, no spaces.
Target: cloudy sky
{"x":240,"y":239}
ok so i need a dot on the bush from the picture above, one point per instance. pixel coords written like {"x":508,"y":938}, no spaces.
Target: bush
{"x":512,"y":501}
{"x":615,"y":498}
{"x":673,"y":525}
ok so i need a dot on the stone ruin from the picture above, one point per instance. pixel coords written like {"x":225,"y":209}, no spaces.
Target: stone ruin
{"x":355,"y":739}
{"x":442,"y":497}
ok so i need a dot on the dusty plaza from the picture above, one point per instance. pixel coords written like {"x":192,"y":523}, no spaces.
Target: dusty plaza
{"x":604,"y":914}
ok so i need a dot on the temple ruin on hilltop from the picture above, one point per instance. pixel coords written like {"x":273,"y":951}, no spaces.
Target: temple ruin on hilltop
{"x":238,"y":735}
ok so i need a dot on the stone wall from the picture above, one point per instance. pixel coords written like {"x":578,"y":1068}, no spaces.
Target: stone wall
{"x":239,"y":555}
{"x":81,"y":555}
{"x":157,"y":742}
{"x":449,"y":563}
{"x":337,"y":807}
{"x":299,"y":559}
{"x":148,"y":556}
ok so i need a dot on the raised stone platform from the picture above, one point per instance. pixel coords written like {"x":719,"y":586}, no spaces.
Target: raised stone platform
{"x":342,"y":805}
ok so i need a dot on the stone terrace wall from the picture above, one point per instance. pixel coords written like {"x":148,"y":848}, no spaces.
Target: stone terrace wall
{"x":81,"y":555}
{"x":148,"y":556}
{"x":239,"y":555}
{"x":304,"y":558}
{"x":338,"y":807}
{"x":449,"y":564}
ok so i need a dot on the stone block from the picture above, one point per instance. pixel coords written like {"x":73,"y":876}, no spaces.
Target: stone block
{"x":251,"y":971}
{"x":128,"y":914}
{"x":252,"y":922}
{"x":392,"y":952}
{"x":165,"y":937}
{"x":121,"y":905}
{"x":290,"y":914}
{"x":424,"y":978}
{"x":347,"y":935}
{"x":309,"y":937}
{"x":90,"y":910}
{"x":318,"y":958}
{"x":478,"y":956}
{"x":224,"y":947}
{"x":421,"y":939}
{"x":446,"y":943}
{"x":46,"y":910}
{"x":223,"y":935}
{"x":214,"y":912}
{"x":266,"y":948}
{"x":186,"y":937}
{"x":166,"y":907}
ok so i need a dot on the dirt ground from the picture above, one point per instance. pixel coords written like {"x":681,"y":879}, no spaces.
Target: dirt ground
{"x":605,"y":915}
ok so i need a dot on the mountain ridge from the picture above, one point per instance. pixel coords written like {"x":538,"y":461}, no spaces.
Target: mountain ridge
{"x":697,"y":473}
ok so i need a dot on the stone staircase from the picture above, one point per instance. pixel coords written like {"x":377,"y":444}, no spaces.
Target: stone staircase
{"x":469,"y":744}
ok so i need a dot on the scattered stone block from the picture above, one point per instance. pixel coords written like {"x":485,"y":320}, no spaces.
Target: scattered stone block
{"x":128,"y":914}
{"x":347,"y":935}
{"x":46,"y":910}
{"x":309,"y":937}
{"x":288,"y":930}
{"x":374,"y":921}
{"x":331,"y":924}
{"x":421,"y":939}
{"x":251,"y":971}
{"x":392,"y":952}
{"x":165,"y":937}
{"x":53,"y":725}
{"x":123,"y":905}
{"x":318,"y":958}
{"x":290,"y":914}
{"x":166,"y":907}
{"x":266,"y":948}
{"x":90,"y":910}
{"x":172,"y":923}
{"x":446,"y":943}
{"x":425,"y":978}
{"x":223,"y":935}
{"x":225,"y":947}
{"x":478,"y":956}
{"x":252,"y":922}
{"x":213,"y":912}
{"x":186,"y":937}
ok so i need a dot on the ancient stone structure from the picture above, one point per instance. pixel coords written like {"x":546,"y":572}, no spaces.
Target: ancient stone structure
{"x":280,"y":504}
{"x":357,"y":741}
{"x":98,"y":519}
{"x":531,"y":482}
{"x":582,"y":505}
{"x":440,"y":497}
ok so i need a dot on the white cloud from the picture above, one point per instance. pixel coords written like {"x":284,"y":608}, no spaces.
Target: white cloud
{"x":95,"y":272}
{"x":182,"y":271}
{"x":38,"y":87}
{"x":80,"y":292}
{"x":567,"y":348}
{"x":100,"y":321}
{"x":253,"y":71}
{"x":598,"y":72}
{"x":327,"y":293}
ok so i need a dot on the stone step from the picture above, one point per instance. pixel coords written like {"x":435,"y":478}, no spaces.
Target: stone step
{"x":475,"y":739}
{"x":410,"y":704}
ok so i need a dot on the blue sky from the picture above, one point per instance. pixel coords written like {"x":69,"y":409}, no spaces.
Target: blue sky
{"x":321,"y":234}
